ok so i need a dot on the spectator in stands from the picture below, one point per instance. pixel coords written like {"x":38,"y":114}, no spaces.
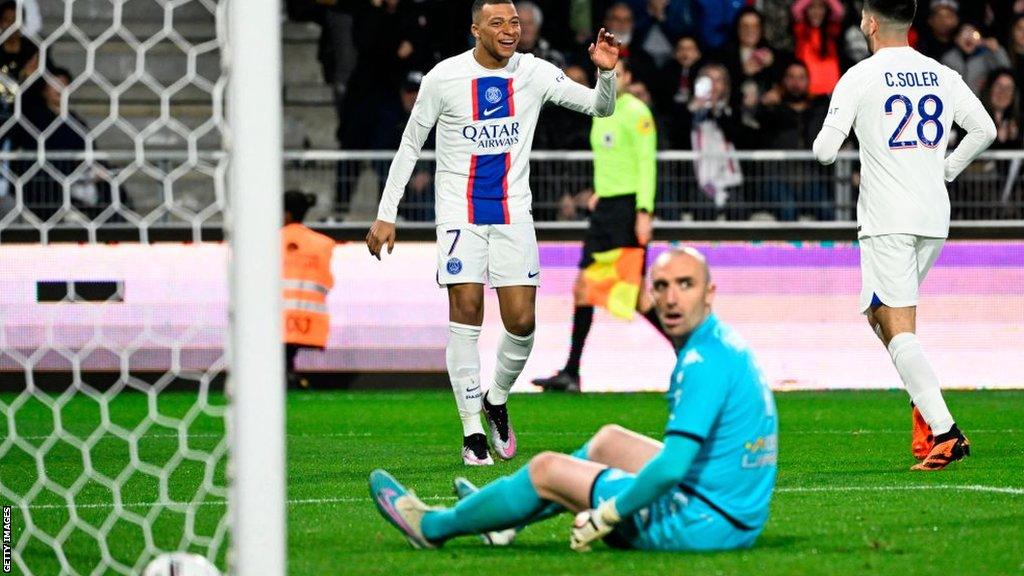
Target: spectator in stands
{"x":1015,"y":48}
{"x":530,"y":41}
{"x":716,"y":21}
{"x":388,"y":42}
{"x":974,"y":57}
{"x":943,"y":20}
{"x":678,"y":76}
{"x":618,"y":20}
{"x":790,"y":118}
{"x":751,"y":62}
{"x":1002,"y":101}
{"x":714,"y":128}
{"x":88,"y":191}
{"x":853,"y":46}
{"x":777,"y":23}
{"x":19,"y":57}
{"x":659,"y":24}
{"x":817,"y":28}
{"x":993,"y":189}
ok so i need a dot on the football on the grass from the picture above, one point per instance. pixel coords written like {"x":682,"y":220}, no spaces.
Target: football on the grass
{"x":180,"y":564}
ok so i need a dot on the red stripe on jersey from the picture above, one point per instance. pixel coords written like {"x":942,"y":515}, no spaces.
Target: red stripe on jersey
{"x":511,"y":106}
{"x":476,"y":105}
{"x":472,"y":173}
{"x":508,"y":164}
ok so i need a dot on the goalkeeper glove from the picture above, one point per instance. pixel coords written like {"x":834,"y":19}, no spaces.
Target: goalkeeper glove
{"x":593,"y":524}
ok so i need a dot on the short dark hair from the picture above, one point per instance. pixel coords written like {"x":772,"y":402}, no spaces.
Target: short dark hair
{"x":478,"y":5}
{"x":297,"y":203}
{"x":901,"y":11}
{"x":58,"y":72}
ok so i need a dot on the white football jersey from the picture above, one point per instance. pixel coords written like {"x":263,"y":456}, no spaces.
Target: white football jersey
{"x":902,"y":106}
{"x":485,"y":123}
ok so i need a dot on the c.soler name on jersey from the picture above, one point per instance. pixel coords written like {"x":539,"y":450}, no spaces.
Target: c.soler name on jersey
{"x":911,"y":79}
{"x":492,"y":135}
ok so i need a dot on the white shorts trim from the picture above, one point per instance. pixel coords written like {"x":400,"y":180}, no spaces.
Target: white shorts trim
{"x":893,"y":266}
{"x":503,"y":254}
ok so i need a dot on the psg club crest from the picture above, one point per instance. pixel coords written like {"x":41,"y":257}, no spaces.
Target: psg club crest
{"x":493,"y":95}
{"x":454,"y":266}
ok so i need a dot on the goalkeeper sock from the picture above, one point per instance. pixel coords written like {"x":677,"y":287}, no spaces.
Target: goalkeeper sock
{"x":512,"y":354}
{"x":463,"y":361}
{"x":505,"y":503}
{"x":583,"y":452}
{"x":920,"y":380}
{"x":582,"y":318}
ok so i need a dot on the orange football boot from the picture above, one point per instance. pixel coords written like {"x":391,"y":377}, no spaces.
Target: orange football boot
{"x":922,"y":440}
{"x":949,"y":447}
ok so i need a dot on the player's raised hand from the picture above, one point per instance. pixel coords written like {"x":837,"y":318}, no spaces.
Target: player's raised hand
{"x":604,"y":51}
{"x":380,"y":233}
{"x":593,"y":524}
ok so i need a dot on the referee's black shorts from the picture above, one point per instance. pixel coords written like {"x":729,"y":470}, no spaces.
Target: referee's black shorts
{"x":612,"y":225}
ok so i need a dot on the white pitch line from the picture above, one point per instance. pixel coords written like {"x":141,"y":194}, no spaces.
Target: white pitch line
{"x":1009,"y":490}
{"x":963,"y":488}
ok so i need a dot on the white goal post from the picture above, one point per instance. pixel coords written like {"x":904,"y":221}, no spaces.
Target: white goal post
{"x":256,"y":383}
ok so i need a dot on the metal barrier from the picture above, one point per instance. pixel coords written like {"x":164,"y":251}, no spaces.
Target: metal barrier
{"x":782,"y":186}
{"x":108,"y":192}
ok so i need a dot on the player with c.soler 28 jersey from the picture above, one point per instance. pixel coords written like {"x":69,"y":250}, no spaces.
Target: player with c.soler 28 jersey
{"x":902,"y":106}
{"x":485,"y":103}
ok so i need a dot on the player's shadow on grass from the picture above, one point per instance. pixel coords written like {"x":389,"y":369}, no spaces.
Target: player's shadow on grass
{"x":776,"y":541}
{"x":766,"y":542}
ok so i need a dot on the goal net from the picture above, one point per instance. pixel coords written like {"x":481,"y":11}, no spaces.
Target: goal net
{"x":116,"y":179}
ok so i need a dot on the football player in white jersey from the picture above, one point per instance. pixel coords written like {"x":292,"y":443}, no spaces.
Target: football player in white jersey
{"x":902,"y":106}
{"x":485,"y":104}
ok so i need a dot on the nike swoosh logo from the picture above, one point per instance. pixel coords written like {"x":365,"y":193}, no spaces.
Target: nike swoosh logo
{"x":490,"y":111}
{"x":533,"y":274}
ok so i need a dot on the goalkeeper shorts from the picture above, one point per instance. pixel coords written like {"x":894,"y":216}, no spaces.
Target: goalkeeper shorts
{"x":674,"y":522}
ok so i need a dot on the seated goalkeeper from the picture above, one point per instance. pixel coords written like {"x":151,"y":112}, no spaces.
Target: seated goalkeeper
{"x":706,"y":486}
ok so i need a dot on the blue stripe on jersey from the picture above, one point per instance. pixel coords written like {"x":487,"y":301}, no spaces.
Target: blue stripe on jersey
{"x":488,"y":188}
{"x":492,"y":98}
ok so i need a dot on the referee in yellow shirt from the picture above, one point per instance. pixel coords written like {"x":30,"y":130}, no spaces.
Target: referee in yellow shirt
{"x":625,"y":146}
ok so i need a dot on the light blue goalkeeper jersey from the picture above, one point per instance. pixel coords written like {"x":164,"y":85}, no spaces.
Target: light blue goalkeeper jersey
{"x":719,"y":397}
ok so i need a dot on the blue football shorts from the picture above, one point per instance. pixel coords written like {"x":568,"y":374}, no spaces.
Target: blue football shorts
{"x":674,"y":522}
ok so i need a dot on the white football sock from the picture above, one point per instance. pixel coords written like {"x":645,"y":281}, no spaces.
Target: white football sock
{"x":463,"y":361}
{"x":920,"y":380}
{"x":512,"y":354}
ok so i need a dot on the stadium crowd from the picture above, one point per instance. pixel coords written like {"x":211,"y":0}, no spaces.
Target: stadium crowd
{"x":772,"y":66}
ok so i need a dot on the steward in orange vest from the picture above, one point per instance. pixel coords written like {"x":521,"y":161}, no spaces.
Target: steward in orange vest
{"x":307,"y":279}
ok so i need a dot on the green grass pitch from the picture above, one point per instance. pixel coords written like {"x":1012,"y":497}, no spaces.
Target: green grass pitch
{"x":845,"y":502}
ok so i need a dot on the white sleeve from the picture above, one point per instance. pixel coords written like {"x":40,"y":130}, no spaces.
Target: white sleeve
{"x":562,"y":90}
{"x":827,"y":144}
{"x":842,"y":109}
{"x":424,"y":115}
{"x":971,"y":115}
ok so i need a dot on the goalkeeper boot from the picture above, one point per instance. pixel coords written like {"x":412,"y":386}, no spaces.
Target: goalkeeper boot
{"x":400,"y":507}
{"x":922,"y":440}
{"x":503,"y":437}
{"x":562,"y":381}
{"x":949,"y":447}
{"x":474,"y":451}
{"x":464,"y":488}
